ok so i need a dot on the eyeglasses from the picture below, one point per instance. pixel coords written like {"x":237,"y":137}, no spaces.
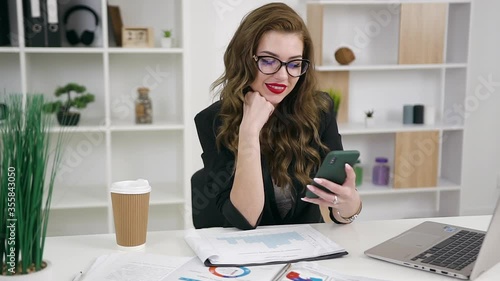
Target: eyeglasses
{"x":270,"y":65}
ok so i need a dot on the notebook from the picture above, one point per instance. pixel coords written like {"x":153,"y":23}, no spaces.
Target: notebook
{"x":449,"y":250}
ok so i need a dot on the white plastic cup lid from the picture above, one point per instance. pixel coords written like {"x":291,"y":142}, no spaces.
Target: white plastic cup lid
{"x":139,"y":186}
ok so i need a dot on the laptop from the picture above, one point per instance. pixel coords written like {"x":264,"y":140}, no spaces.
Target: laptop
{"x":445,"y":249}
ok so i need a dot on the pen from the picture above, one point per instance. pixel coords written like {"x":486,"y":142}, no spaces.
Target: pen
{"x":78,"y":276}
{"x":281,"y":272}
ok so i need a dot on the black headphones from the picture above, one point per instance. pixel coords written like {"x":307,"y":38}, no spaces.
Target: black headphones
{"x":87,"y":36}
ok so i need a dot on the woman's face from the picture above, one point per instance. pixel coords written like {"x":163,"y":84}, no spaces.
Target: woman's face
{"x":284,"y":46}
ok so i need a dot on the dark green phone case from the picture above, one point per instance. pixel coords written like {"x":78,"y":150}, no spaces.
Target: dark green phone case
{"x":333,"y":168}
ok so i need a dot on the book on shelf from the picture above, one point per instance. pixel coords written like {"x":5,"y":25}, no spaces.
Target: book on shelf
{"x":262,"y":246}
{"x":116,"y":23}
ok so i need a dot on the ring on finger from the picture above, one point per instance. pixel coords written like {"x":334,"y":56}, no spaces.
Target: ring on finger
{"x":335,"y":200}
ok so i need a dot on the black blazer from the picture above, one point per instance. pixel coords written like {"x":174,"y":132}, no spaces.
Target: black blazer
{"x":219,"y":166}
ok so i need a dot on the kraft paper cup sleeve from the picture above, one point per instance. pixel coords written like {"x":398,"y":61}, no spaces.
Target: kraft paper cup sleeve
{"x":130,"y":202}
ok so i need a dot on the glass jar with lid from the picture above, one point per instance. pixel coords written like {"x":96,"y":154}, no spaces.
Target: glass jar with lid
{"x":381,"y":171}
{"x":143,"y":107}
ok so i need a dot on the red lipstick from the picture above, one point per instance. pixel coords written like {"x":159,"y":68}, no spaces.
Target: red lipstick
{"x":276,"y":88}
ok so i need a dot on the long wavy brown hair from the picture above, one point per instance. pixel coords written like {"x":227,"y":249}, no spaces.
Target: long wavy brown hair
{"x":291,"y":133}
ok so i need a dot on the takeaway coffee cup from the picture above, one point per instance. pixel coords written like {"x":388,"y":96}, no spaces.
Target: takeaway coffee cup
{"x":130,"y":201}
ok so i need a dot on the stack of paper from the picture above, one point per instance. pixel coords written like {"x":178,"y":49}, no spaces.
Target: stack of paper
{"x":133,"y":266}
{"x":153,"y":267}
{"x":266,"y":245}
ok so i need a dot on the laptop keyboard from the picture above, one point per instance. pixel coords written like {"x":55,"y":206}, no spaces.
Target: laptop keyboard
{"x":456,"y":252}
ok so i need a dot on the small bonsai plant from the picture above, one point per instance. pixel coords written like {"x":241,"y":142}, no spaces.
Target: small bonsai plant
{"x":166,"y":41}
{"x":336,"y":96}
{"x":65,"y":116}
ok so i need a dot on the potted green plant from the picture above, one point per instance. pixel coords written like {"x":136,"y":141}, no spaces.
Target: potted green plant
{"x":30,"y":160}
{"x":65,"y":116}
{"x":166,"y":40}
{"x":369,"y":121}
{"x":336,"y":96}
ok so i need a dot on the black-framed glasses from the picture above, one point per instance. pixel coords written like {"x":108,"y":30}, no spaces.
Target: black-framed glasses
{"x":270,"y":65}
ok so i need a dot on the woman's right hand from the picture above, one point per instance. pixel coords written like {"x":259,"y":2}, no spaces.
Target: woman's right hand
{"x":256,"y":112}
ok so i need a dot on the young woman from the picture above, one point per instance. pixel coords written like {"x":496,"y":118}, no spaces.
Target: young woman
{"x":268,"y":134}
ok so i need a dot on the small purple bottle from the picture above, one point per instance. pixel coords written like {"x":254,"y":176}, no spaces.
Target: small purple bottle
{"x":381,"y":171}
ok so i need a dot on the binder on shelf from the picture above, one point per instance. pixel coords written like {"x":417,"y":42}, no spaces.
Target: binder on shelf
{"x":4,"y":23}
{"x":33,"y":24}
{"x":52,"y":26}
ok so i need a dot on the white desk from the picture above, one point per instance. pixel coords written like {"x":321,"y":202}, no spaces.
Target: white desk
{"x":70,"y":254}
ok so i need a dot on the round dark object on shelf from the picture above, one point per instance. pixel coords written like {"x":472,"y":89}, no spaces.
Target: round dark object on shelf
{"x":344,"y":56}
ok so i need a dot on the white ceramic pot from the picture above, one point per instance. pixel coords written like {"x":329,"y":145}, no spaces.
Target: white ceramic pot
{"x":42,"y":275}
{"x":369,"y":121}
{"x":166,"y":42}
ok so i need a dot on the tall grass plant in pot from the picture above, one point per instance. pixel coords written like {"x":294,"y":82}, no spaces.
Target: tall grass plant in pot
{"x":28,"y":168}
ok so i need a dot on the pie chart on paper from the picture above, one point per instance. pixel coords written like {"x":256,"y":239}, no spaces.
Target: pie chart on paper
{"x":229,"y":272}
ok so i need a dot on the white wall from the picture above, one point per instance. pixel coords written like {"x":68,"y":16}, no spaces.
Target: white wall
{"x":213,"y":23}
{"x":481,"y":145}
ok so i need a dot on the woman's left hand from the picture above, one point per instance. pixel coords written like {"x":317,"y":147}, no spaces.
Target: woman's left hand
{"x":344,"y":199}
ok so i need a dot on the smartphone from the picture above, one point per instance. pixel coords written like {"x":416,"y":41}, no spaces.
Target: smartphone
{"x":333,"y":168}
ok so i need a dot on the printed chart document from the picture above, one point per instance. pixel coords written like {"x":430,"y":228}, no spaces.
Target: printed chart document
{"x":195,"y":270}
{"x":154,"y":267}
{"x":133,"y":267}
{"x":310,"y":271}
{"x":265,"y":245}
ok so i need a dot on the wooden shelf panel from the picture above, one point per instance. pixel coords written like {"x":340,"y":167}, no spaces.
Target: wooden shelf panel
{"x":422,"y":33}
{"x":338,"y":81}
{"x":416,"y":159}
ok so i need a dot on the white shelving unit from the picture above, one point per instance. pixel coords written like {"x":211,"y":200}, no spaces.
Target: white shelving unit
{"x":107,"y":145}
{"x":377,"y":81}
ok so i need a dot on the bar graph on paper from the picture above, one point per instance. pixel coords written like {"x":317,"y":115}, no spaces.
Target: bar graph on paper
{"x":271,"y":241}
{"x":268,"y":244}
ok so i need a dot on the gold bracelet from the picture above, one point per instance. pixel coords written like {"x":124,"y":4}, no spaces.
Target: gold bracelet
{"x":353,"y":217}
